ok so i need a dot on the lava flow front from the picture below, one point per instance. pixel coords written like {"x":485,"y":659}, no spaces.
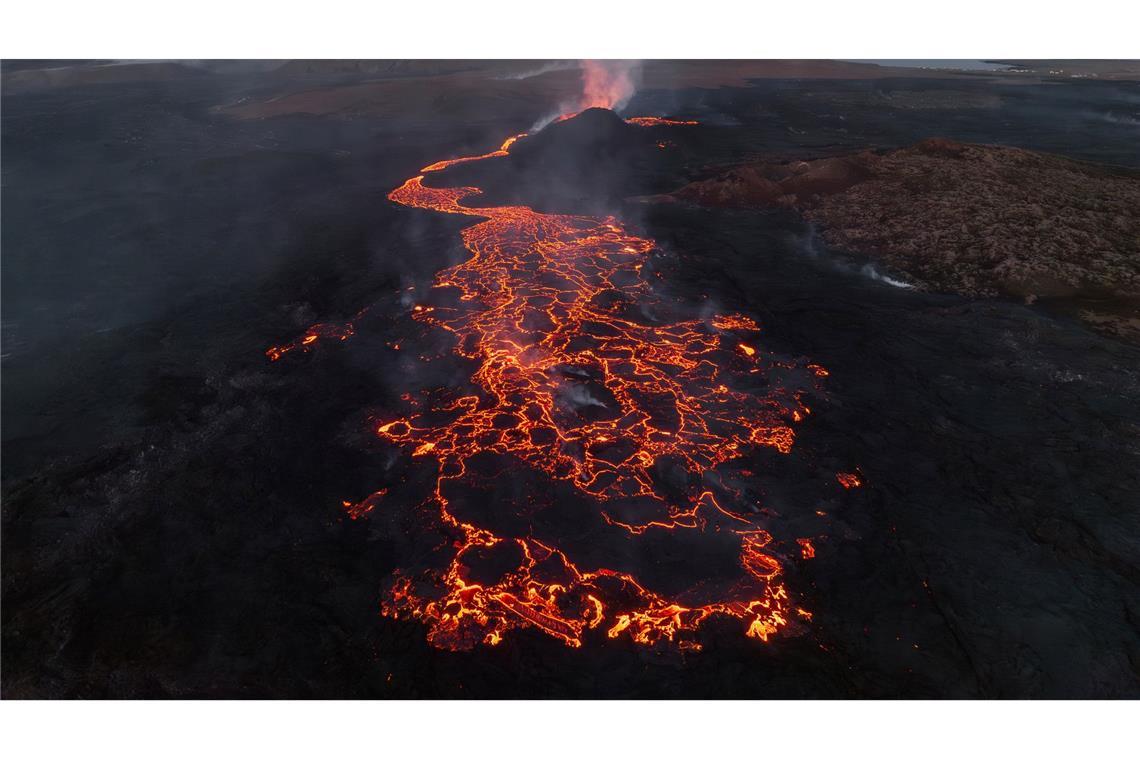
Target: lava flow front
{"x":572,"y":381}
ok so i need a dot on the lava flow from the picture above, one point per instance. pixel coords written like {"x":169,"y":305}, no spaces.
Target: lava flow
{"x":573,"y":385}
{"x":657,"y":121}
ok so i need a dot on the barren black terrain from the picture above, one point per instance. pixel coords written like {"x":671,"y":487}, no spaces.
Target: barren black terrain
{"x":174,"y":520}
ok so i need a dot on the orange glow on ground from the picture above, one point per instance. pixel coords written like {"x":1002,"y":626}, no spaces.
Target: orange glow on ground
{"x":540,"y":317}
{"x":324,"y":330}
{"x":807,"y":549}
{"x":657,"y":121}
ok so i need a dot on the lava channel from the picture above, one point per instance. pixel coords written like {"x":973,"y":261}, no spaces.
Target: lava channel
{"x":575,"y":387}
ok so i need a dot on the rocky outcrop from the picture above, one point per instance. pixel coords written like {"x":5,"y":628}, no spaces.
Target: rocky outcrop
{"x":795,"y":184}
{"x":977,"y":220}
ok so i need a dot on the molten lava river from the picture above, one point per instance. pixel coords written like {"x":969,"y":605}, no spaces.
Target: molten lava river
{"x":578,"y":380}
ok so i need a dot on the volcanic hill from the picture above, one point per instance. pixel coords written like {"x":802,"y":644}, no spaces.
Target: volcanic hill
{"x":978,"y":220}
{"x":586,"y":164}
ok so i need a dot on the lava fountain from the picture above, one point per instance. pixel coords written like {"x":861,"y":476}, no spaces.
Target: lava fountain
{"x":607,"y":84}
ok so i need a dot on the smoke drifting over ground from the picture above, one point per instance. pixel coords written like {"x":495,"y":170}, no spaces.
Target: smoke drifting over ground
{"x":539,"y":70}
{"x":869,"y":270}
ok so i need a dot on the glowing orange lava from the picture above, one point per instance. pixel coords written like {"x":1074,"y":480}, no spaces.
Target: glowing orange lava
{"x":544,"y":327}
{"x":319,"y":331}
{"x":807,"y":549}
{"x":657,"y":121}
{"x":605,"y":84}
{"x":502,"y":151}
{"x":571,"y":384}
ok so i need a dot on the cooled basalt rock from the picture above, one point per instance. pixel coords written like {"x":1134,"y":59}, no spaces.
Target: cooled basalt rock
{"x":795,"y":184}
{"x":978,"y":220}
{"x":596,"y":133}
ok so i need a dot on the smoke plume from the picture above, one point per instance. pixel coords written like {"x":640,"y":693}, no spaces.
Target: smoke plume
{"x":608,"y":84}
{"x":605,"y":84}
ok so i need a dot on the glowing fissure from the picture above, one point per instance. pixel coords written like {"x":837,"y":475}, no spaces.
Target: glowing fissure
{"x":657,"y":121}
{"x":541,"y":314}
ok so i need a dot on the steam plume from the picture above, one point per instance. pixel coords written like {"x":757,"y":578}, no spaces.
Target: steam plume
{"x":607,"y":84}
